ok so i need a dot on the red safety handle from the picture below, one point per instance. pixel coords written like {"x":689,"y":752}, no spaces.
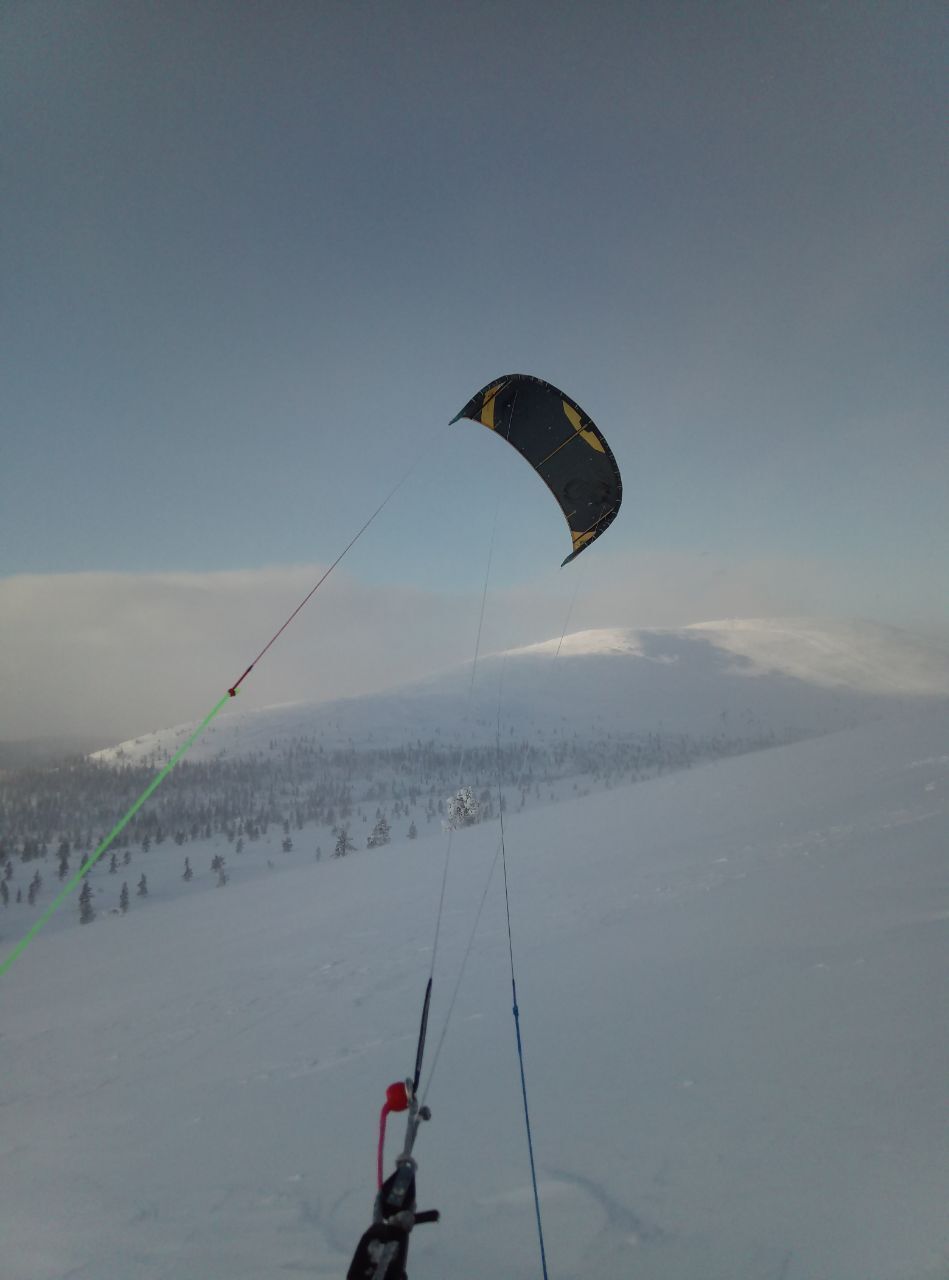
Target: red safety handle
{"x":397,"y":1099}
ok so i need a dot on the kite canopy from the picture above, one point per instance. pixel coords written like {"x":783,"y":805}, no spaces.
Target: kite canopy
{"x":562,"y":444}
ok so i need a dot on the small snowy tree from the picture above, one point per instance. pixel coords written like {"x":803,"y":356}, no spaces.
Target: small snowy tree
{"x":380,"y":833}
{"x":142,"y":889}
{"x":343,"y":844}
{"x":462,"y":809}
{"x":413,"y":832}
{"x":124,"y":897}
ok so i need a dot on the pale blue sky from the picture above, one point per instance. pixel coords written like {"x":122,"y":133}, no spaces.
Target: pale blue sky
{"x":255,"y":257}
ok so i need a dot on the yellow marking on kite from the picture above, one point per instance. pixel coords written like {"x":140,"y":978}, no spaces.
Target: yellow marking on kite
{"x":587,"y":535}
{"x":589,"y":436}
{"x":487,"y":404}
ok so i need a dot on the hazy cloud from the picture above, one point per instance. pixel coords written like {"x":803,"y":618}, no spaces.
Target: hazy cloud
{"x":117,"y":654}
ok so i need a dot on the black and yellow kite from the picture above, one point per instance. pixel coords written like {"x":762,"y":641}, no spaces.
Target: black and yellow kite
{"x":561,"y":443}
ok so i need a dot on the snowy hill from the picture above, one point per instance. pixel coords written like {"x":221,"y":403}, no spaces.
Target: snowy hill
{"x":731,"y":984}
{"x":787,"y":677}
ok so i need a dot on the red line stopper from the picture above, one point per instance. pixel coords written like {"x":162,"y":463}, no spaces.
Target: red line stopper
{"x":397,"y":1099}
{"x":237,"y":683}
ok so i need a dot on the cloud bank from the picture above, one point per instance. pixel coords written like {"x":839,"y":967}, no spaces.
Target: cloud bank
{"x":114,"y":655}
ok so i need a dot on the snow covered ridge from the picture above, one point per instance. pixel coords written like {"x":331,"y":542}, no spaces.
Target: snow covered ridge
{"x":789,"y":676}
{"x":861,"y":656}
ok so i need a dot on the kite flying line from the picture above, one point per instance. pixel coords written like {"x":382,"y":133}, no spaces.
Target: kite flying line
{"x":159,"y":778}
{"x":119,"y":826}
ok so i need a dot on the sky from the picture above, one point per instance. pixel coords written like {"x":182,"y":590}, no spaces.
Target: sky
{"x":254,"y":259}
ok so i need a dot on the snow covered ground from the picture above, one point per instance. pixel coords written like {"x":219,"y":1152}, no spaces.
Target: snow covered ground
{"x":732,"y":990}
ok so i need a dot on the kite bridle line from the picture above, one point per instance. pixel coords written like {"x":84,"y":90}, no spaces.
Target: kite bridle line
{"x":519,"y":772}
{"x":385,"y":1244}
{"x":499,"y":853}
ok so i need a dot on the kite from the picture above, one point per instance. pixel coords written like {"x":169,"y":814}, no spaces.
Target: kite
{"x":561,"y":443}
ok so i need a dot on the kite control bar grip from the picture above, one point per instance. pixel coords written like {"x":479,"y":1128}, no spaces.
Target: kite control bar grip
{"x":427,"y":1215}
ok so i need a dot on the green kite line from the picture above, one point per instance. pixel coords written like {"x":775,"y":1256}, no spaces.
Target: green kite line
{"x":119,"y":826}
{"x":231,"y":693}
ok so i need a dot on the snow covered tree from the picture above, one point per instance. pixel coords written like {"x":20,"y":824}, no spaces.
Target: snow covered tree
{"x":287,"y":845}
{"x":462,"y":809}
{"x":4,"y":892}
{"x":343,"y":844}
{"x":35,"y":885}
{"x":124,"y":897}
{"x":380,"y":833}
{"x":86,"y":910}
{"x":413,"y":831}
{"x":187,"y":873}
{"x":142,"y":889}
{"x":113,"y":865}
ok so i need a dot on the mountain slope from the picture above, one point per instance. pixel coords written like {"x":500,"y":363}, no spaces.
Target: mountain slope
{"x":743,"y":678}
{"x":731,"y":992}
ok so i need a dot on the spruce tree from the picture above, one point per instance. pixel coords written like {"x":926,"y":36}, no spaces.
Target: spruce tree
{"x":142,"y":887}
{"x":124,"y":897}
{"x":343,"y":844}
{"x":187,"y":873}
{"x":86,"y":910}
